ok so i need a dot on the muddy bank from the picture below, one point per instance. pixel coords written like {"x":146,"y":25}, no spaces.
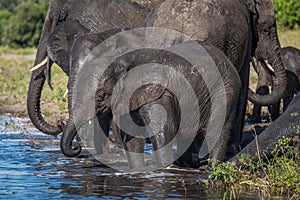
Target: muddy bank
{"x":7,"y":107}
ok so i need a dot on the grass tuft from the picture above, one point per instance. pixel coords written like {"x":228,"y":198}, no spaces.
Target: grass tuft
{"x":279,"y":175}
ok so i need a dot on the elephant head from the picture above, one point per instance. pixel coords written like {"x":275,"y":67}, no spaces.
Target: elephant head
{"x":81,"y":49}
{"x":65,"y":20}
{"x":267,"y":49}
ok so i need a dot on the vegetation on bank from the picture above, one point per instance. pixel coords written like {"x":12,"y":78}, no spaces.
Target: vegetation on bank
{"x":287,"y":13}
{"x":15,"y":65}
{"x":279,"y":175}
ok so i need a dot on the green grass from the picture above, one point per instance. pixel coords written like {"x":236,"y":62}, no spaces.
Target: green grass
{"x":279,"y":175}
{"x":15,"y":75}
{"x":289,"y":37}
{"x":22,"y":51}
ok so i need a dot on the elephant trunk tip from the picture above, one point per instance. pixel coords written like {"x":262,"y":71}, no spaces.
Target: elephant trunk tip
{"x":67,"y":145}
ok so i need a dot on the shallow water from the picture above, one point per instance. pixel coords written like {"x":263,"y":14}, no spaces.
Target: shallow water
{"x":32,"y":167}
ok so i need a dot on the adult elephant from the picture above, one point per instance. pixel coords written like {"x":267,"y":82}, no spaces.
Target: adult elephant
{"x":98,"y":83}
{"x":291,"y":60}
{"x":240,"y":28}
{"x":66,"y":20}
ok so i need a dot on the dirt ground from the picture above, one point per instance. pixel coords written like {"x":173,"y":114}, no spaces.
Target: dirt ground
{"x":20,"y":110}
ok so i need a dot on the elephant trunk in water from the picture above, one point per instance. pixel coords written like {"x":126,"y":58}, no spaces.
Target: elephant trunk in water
{"x":66,"y":142}
{"x":279,"y":81}
{"x":81,"y":48}
{"x":38,"y":79}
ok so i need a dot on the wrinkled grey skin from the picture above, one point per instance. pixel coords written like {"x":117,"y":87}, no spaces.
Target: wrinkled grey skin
{"x":81,"y":48}
{"x":291,"y":60}
{"x":66,"y":20}
{"x":287,"y":125}
{"x":152,"y":94}
{"x":240,"y":28}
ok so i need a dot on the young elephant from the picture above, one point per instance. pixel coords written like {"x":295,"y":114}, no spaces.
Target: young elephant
{"x":216,"y":91}
{"x":291,"y":59}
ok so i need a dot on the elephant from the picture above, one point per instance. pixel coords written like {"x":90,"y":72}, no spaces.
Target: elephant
{"x":151,"y":94}
{"x":215,"y":23}
{"x":65,"y":21}
{"x":287,"y":125}
{"x":81,"y":48}
{"x":241,"y":29}
{"x":290,"y":57}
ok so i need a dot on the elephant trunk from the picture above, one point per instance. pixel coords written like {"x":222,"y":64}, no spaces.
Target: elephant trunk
{"x":38,"y":76}
{"x":33,"y":104}
{"x":66,"y":142}
{"x":279,"y":81}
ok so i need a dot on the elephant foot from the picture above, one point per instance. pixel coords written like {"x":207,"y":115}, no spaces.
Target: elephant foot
{"x":195,"y":162}
{"x":254,"y":119}
{"x":135,"y":160}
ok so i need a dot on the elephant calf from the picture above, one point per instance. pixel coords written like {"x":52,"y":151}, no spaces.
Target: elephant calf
{"x":291,"y":59}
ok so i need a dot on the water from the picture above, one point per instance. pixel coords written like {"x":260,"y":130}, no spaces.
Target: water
{"x":32,"y":167}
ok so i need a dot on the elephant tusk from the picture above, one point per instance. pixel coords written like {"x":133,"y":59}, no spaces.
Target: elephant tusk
{"x":40,"y":65}
{"x":66,"y":93}
{"x":269,"y":66}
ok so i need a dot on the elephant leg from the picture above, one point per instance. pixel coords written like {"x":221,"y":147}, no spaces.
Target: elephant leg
{"x":101,"y":132}
{"x":134,"y":146}
{"x":163,"y":127}
{"x":220,"y":152}
{"x":256,"y":114}
{"x":241,"y":111}
{"x":115,"y":137}
{"x":190,"y":156}
{"x":274,"y":111}
{"x":291,"y":89}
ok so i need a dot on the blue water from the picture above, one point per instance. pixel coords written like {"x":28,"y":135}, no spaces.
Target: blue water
{"x":32,"y":167}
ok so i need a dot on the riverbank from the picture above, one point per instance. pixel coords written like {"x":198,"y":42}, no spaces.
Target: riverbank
{"x":15,"y":65}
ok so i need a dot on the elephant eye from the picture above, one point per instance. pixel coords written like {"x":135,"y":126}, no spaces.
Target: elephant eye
{"x":265,"y":31}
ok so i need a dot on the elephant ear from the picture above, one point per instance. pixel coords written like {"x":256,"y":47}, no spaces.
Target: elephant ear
{"x":61,"y":40}
{"x":251,"y":6}
{"x":140,"y":86}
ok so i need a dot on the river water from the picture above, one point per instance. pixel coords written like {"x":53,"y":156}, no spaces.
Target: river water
{"x":32,"y":167}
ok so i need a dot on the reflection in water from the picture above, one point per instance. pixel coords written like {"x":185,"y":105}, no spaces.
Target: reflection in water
{"x":32,"y":167}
